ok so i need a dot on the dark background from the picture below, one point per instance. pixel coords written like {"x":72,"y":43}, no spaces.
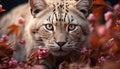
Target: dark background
{"x":9,"y":4}
{"x":112,"y":2}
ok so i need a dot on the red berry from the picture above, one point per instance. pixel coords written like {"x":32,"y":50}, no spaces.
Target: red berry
{"x":22,"y":41}
{"x":5,"y":38}
{"x":21,"y":20}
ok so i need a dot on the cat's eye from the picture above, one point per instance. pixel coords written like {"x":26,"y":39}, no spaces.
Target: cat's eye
{"x":49,"y":27}
{"x":37,"y":11}
{"x":71,"y":27}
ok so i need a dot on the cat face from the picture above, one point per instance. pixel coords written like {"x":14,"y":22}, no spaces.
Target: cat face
{"x":61,"y":27}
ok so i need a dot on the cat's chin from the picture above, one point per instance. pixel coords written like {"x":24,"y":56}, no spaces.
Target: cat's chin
{"x":59,"y":53}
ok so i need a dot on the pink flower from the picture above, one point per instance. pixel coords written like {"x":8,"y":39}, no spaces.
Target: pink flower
{"x":4,"y":38}
{"x":101,"y":59}
{"x":117,"y":7}
{"x":21,"y":20}
{"x":91,"y":18}
{"x":13,"y":63}
{"x":42,"y":52}
{"x":101,"y":30}
{"x":108,"y":15}
{"x":22,"y":41}
{"x":84,"y":50}
{"x":1,"y":6}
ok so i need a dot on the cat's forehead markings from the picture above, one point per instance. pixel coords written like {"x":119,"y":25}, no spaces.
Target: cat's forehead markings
{"x":46,"y":22}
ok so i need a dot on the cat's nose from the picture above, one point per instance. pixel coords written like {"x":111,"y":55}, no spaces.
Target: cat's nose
{"x":61,"y":43}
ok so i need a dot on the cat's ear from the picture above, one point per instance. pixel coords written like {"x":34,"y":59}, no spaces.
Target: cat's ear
{"x":83,"y":6}
{"x":37,"y":6}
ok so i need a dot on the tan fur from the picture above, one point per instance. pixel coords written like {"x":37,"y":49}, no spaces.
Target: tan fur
{"x":36,"y":33}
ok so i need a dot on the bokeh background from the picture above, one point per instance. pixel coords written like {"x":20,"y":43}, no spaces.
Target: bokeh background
{"x":9,"y":4}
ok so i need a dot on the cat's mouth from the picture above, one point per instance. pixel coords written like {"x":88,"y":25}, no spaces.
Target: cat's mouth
{"x":59,"y":52}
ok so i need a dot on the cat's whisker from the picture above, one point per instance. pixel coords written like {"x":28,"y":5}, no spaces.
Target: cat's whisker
{"x":77,"y":49}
